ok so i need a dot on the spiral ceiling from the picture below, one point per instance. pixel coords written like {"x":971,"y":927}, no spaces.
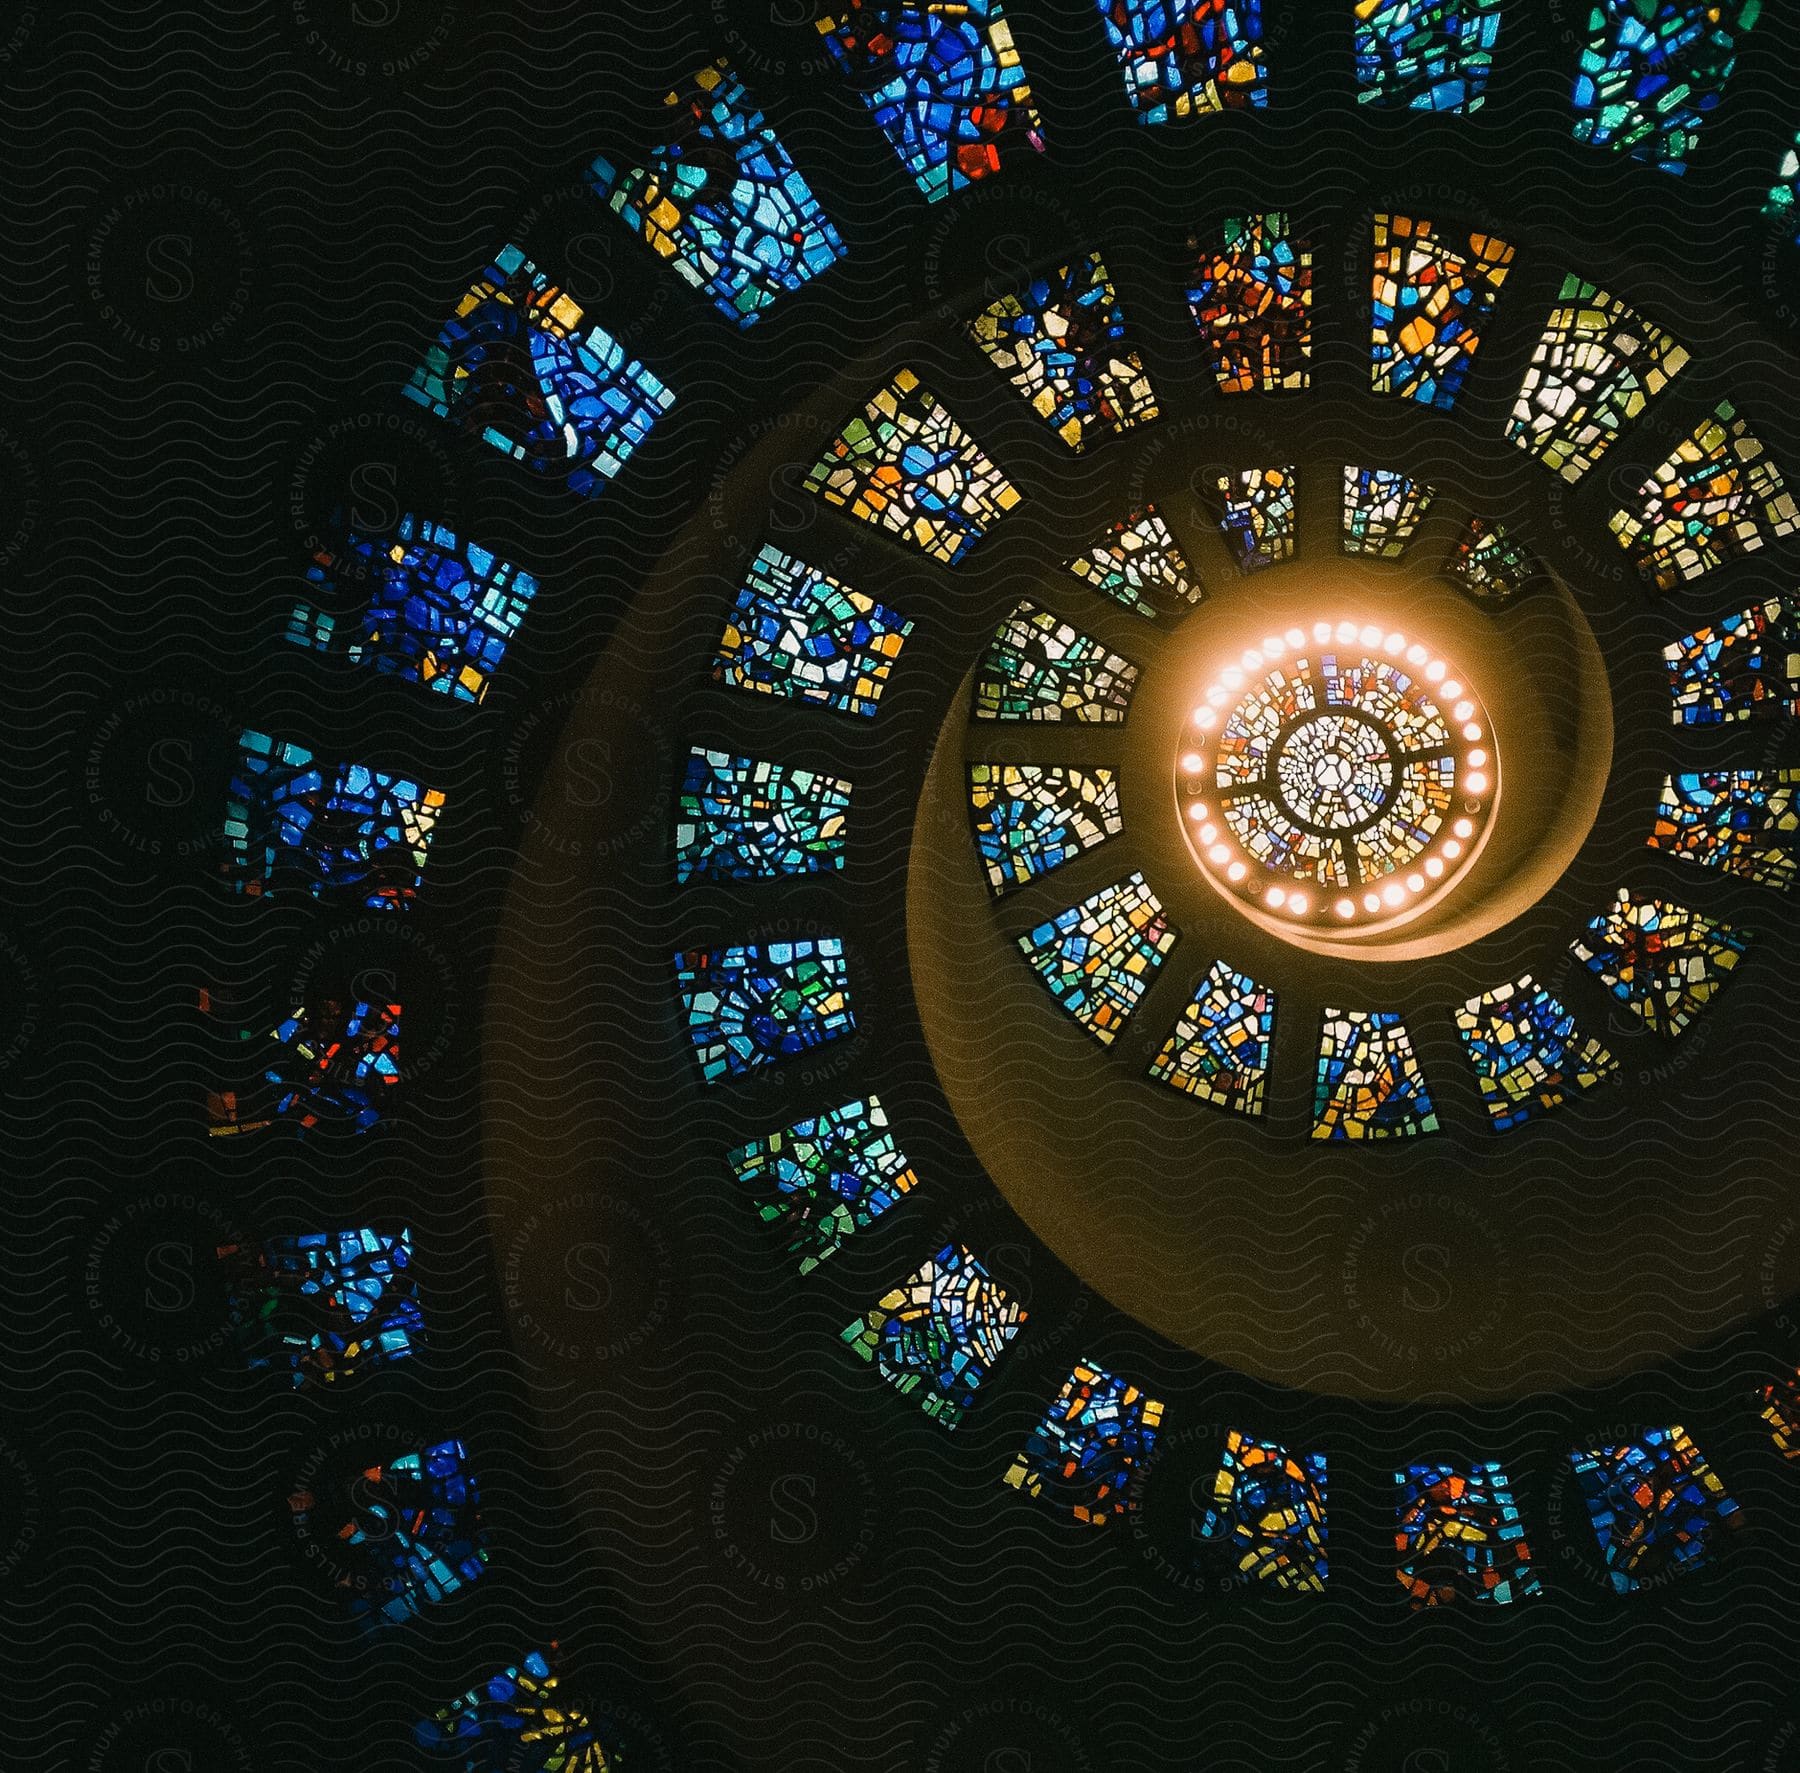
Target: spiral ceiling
{"x":986,"y":930}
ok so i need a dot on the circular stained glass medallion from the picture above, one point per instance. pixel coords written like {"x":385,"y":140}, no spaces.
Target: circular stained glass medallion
{"x":1339,"y":777}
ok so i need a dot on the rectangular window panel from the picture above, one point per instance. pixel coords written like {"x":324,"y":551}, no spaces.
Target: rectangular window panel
{"x":722,"y":201}
{"x":741,"y":818}
{"x":1037,"y":668}
{"x":1181,"y":57}
{"x":944,"y":81}
{"x":795,"y":631}
{"x":756,"y":1005}
{"x":518,"y":366}
{"x":1031,"y":818}
{"x":823,"y":1178}
{"x":1718,"y":497}
{"x":1434,"y":290}
{"x":342,"y":832}
{"x":1597,"y":365}
{"x":1061,"y":344}
{"x":938,"y":1334}
{"x":906,"y":466}
{"x":1099,"y":957}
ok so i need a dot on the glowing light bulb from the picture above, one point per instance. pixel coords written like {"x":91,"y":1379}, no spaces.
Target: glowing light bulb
{"x":1477,"y":760}
{"x":1434,"y":672}
{"x":1452,"y":850}
{"x":1296,"y":638}
{"x":1236,"y":872}
{"x":1393,"y":893}
{"x":1477,"y":783}
{"x":1193,"y":763}
{"x":1273,"y":646}
{"x":1345,"y":907}
{"x":1206,"y":718}
{"x":1321,"y":632}
{"x":1416,"y":654}
{"x":1371,"y":902}
{"x":1370,"y":636}
{"x":1434,"y":866}
{"x":1394,"y":646}
{"x":1464,"y":710}
{"x":1346,"y":632}
{"x":1464,"y":828}
{"x":1297,"y":904}
{"x":1451,"y":689}
{"x":1231,"y":677}
{"x":1277,"y":896}
{"x":1219,"y":854}
{"x":1208,"y":833}
{"x":1471,"y":731}
{"x":1252,"y":660}
{"x":1415,"y":883}
{"x":1197,"y":811}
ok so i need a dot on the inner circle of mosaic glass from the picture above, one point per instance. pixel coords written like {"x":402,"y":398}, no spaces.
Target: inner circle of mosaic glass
{"x":1332,"y":773}
{"x":1339,"y":776}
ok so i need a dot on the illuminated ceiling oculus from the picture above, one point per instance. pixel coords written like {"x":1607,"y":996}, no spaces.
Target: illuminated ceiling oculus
{"x":1340,"y":776}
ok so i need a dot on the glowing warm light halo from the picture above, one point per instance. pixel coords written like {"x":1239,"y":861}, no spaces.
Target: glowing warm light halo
{"x":1339,"y":778}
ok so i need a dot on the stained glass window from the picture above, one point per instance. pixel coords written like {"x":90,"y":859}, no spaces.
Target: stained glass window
{"x":723,"y":202}
{"x":518,"y":1708}
{"x":1591,"y":374}
{"x":1663,"y":959}
{"x":1030,"y":818}
{"x":1651,"y":70}
{"x":415,"y":1533}
{"x":1251,"y":298}
{"x":944,"y":81}
{"x":1268,"y":1510}
{"x":1086,"y":1454}
{"x":1257,"y":515}
{"x":1783,"y":202}
{"x":823,"y":1178}
{"x":323,"y":1306}
{"x":1335,"y":767}
{"x":755,"y":1005}
{"x":1382,"y":508}
{"x":1717,"y":497}
{"x":1741,"y":821}
{"x":798,"y":632}
{"x":1219,"y":1050}
{"x":1429,"y":55}
{"x":430,"y":608}
{"x":1061,"y":344}
{"x":1186,"y":56}
{"x":1490,"y":564}
{"x":1369,"y":1084}
{"x":332,"y":1066}
{"x":1458,"y":1533}
{"x":1527,"y":1052}
{"x":516,"y":366}
{"x":904,"y":465}
{"x":1099,"y":957}
{"x":343,"y":832}
{"x":1653,"y":1503}
{"x":1432,"y":299}
{"x":1746,"y":663}
{"x":1781,"y":1410}
{"x":742,"y":819}
{"x":1139,"y":564}
{"x":939,"y":1332}
{"x":1037,"y":668}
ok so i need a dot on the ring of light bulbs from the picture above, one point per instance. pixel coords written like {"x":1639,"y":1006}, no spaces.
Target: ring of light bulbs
{"x":1404,"y":778}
